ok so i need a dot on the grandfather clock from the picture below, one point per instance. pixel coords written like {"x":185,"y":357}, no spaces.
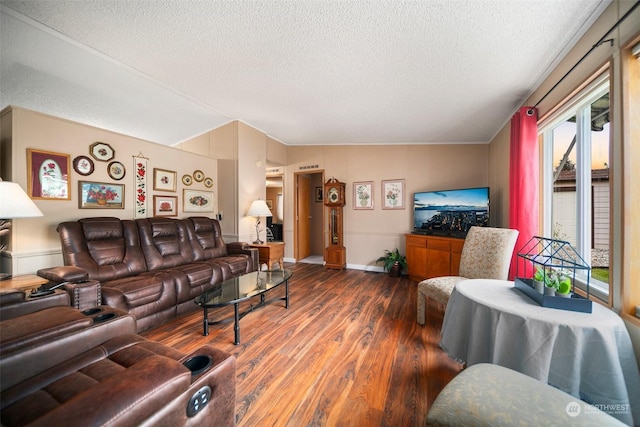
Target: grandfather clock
{"x":335,"y":255}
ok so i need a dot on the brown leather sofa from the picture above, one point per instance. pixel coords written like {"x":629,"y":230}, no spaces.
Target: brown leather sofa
{"x":150,"y":268}
{"x":63,"y":366}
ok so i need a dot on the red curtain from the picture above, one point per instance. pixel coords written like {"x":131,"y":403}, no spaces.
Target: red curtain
{"x":523,"y":180}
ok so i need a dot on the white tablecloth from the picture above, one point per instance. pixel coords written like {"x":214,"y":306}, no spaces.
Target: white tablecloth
{"x":588,"y":355}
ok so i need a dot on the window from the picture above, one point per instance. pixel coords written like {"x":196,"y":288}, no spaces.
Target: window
{"x":576,"y":145}
{"x":631,"y":178}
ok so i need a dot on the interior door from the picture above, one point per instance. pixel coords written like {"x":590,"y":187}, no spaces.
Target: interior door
{"x":304,"y":246}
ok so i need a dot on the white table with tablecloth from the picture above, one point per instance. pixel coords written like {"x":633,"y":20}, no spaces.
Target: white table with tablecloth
{"x":588,"y":355}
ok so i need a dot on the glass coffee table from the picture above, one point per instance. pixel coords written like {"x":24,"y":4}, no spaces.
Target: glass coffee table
{"x":242,"y":288}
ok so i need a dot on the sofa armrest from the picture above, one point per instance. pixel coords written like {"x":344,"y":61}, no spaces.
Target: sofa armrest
{"x":16,"y":303}
{"x":244,"y":248}
{"x":39,"y":341}
{"x":84,"y":294}
{"x":67,"y":273}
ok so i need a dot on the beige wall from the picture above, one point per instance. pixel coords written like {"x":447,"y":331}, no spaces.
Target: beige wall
{"x":423,"y":167}
{"x":242,"y":153}
{"x":35,"y":242}
{"x":277,"y":153}
{"x":367,"y":232}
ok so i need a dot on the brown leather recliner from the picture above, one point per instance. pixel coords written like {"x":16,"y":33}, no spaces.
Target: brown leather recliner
{"x":63,"y":366}
{"x":151,"y":268}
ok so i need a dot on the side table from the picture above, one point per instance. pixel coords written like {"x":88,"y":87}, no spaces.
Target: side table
{"x":270,"y":252}
{"x":25,"y":282}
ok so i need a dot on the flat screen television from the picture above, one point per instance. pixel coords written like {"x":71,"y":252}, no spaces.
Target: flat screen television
{"x":450,"y":212}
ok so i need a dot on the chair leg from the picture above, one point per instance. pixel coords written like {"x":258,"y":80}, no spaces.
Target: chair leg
{"x":422,"y":302}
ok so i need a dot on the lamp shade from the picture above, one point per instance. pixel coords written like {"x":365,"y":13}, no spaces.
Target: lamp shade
{"x":14,"y":202}
{"x":259,"y":208}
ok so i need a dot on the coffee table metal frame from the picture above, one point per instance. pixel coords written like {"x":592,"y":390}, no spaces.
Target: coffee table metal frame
{"x":242,"y":288}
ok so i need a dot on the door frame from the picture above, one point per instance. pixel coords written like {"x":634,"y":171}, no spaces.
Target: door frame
{"x":296,"y":220}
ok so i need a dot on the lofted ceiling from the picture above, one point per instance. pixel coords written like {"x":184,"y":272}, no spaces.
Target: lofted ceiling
{"x":303,"y":72}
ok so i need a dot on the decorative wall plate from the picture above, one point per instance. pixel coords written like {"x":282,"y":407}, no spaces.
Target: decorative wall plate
{"x":116,"y":170}
{"x":102,"y":151}
{"x":208,"y":182}
{"x":187,"y":180}
{"x":83,"y":165}
{"x":198,"y":175}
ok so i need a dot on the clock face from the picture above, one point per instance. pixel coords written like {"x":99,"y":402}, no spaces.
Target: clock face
{"x":333,"y":195}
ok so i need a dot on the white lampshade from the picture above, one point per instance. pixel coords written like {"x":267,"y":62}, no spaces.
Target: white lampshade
{"x":259,"y":208}
{"x":14,"y":202}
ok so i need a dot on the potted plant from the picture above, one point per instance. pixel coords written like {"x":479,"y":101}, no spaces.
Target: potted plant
{"x":563,"y":288}
{"x":551,"y":283}
{"x":539,"y":279}
{"x":393,"y":262}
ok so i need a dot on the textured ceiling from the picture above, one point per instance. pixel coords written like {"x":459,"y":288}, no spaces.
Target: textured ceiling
{"x":304,"y":72}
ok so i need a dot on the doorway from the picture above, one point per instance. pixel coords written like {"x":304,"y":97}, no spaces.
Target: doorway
{"x":309,"y":218}
{"x":275,"y":202}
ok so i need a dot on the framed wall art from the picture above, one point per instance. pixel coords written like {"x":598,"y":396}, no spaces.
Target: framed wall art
{"x":197,"y":201}
{"x":164,"y":180}
{"x":269,"y":203}
{"x":363,"y":195}
{"x":187,"y":179}
{"x":165,"y":205}
{"x":140,"y":189}
{"x":393,"y":194}
{"x":48,"y":175}
{"x":319,"y":194}
{"x":102,"y":151}
{"x":100,"y":195}
{"x":116,"y":170}
{"x":83,"y":165}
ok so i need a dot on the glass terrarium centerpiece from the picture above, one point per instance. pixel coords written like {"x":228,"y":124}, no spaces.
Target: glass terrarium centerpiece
{"x":558,"y":266}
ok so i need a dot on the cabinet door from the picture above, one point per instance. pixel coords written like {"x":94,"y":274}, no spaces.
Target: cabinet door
{"x":416,"y":250}
{"x":438,"y":258}
{"x":456,"y":252}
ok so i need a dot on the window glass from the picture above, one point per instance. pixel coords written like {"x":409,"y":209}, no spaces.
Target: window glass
{"x":577,"y":181}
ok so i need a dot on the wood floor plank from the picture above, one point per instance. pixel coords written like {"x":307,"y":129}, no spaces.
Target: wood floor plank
{"x":347,"y":352}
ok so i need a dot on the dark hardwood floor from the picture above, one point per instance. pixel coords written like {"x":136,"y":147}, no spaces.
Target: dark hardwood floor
{"x":348,"y":352}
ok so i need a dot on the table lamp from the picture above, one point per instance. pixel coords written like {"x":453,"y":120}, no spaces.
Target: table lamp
{"x":14,"y":203}
{"x":258,"y":208}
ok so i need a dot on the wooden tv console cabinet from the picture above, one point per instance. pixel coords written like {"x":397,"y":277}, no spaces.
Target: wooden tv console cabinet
{"x":432,"y":256}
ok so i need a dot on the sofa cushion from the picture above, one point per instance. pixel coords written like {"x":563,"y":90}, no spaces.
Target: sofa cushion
{"x":194,"y":279}
{"x":107,"y":248}
{"x":232,"y":265}
{"x":164,"y":242}
{"x":143,"y":289}
{"x":206,"y":238}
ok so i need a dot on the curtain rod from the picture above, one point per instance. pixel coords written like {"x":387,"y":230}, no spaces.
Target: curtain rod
{"x":600,"y":42}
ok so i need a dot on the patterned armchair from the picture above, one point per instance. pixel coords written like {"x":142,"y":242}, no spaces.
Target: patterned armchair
{"x":486,"y":254}
{"x":492,"y":395}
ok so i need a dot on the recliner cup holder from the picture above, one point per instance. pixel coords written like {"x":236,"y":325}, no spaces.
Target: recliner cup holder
{"x":91,"y":311}
{"x":104,"y":317}
{"x":198,"y":364}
